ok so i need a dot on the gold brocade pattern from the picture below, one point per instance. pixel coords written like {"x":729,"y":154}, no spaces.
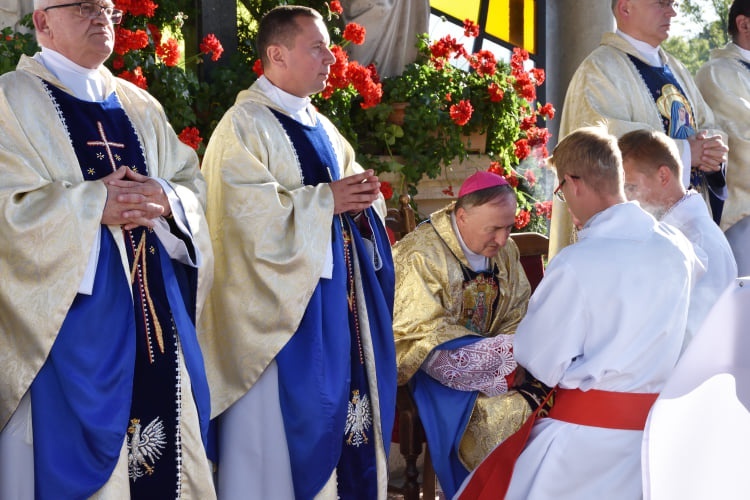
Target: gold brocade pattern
{"x":492,"y":421}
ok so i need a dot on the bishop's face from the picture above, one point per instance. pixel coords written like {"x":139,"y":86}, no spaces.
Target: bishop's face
{"x":485,"y":228}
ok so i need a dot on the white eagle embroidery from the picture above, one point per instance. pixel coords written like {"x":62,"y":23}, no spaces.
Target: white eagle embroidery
{"x":358,"y":419}
{"x":144,"y":444}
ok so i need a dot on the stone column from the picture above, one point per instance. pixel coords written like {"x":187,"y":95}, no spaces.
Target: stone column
{"x":13,"y":10}
{"x":574,"y":29}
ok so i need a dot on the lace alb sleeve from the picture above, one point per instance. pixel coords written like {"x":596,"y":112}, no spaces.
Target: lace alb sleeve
{"x":486,"y":366}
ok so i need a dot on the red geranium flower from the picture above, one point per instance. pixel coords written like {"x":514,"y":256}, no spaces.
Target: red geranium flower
{"x":137,"y":7}
{"x":136,"y":77}
{"x":449,"y":190}
{"x":336,"y":7}
{"x":547,"y":110}
{"x":471,"y":29}
{"x":211,"y":44}
{"x":484,"y":63}
{"x":522,"y":149}
{"x":461,"y":112}
{"x":522,"y":219}
{"x":258,"y":67}
{"x":191,"y":136}
{"x":126,"y":40}
{"x":496,"y":168}
{"x":386,"y":189}
{"x":495,"y":92}
{"x":169,"y":52}
{"x":354,"y":33}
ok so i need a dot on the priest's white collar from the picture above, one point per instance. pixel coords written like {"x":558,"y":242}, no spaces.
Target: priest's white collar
{"x":478,"y":262}
{"x":85,"y":83}
{"x":646,"y":50}
{"x":298,"y":107}
{"x":744,"y":53}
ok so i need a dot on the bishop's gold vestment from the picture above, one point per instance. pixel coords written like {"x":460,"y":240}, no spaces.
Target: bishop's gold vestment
{"x":427,"y":310}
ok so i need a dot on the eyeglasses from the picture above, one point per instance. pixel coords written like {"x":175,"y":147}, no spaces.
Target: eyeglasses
{"x":90,"y":10}
{"x":558,"y":192}
{"x":667,"y":4}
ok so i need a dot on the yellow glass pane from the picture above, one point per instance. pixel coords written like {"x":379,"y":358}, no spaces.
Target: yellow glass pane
{"x":529,"y":25}
{"x":513,"y":21}
{"x":465,"y":9}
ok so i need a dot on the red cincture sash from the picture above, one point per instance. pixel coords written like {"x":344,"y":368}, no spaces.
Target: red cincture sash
{"x":611,"y":410}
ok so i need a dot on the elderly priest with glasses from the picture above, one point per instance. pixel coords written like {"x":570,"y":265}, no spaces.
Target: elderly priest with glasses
{"x":104,"y":248}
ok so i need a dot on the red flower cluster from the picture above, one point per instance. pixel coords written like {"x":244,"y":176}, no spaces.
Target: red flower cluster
{"x":344,"y":73}
{"x":496,"y":93}
{"x":522,"y":219}
{"x":137,"y":7}
{"x":136,"y":77}
{"x":522,"y":149}
{"x":471,"y":29}
{"x":335,"y":7}
{"x":444,"y":49}
{"x":483,"y":62}
{"x":258,"y":67}
{"x":496,"y":168}
{"x":211,"y":45}
{"x":547,"y":110}
{"x":386,"y":189}
{"x":126,"y":40}
{"x":543,"y":208}
{"x":449,"y":190}
{"x":461,"y":112}
{"x":354,"y":33}
{"x":191,"y":136}
{"x":169,"y":52}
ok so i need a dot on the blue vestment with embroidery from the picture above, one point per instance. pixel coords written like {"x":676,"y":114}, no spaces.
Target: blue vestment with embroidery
{"x":111,"y":376}
{"x":324,"y":386}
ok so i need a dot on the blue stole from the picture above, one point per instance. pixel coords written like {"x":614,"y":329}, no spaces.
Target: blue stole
{"x":323,"y":384}
{"x":745,"y":64}
{"x":680,"y":124}
{"x":444,"y":413}
{"x":112,"y":370}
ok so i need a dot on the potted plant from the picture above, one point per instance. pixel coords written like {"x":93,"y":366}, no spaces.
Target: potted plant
{"x":448,"y":113}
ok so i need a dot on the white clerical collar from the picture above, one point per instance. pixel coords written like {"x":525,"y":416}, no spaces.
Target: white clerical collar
{"x":298,"y":107}
{"x":745,"y":54}
{"x":478,"y":262}
{"x":85,"y":83}
{"x":646,"y":50}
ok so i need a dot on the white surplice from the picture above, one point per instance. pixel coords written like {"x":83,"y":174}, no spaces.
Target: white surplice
{"x":690,"y":215}
{"x":609,"y":314}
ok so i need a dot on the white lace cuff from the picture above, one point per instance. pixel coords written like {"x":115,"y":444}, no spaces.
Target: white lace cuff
{"x":485,"y":366}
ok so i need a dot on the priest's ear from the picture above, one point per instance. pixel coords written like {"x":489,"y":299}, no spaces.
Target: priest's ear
{"x":40,"y":22}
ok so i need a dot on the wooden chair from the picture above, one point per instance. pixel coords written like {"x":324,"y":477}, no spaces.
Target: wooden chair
{"x":401,"y":220}
{"x":534,"y":248}
{"x":409,"y":432}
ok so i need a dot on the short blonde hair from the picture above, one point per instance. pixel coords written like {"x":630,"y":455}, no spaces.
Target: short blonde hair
{"x":650,"y":149}
{"x":590,"y":153}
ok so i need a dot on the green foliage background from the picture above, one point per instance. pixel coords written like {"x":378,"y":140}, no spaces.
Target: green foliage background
{"x":693,"y":52}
